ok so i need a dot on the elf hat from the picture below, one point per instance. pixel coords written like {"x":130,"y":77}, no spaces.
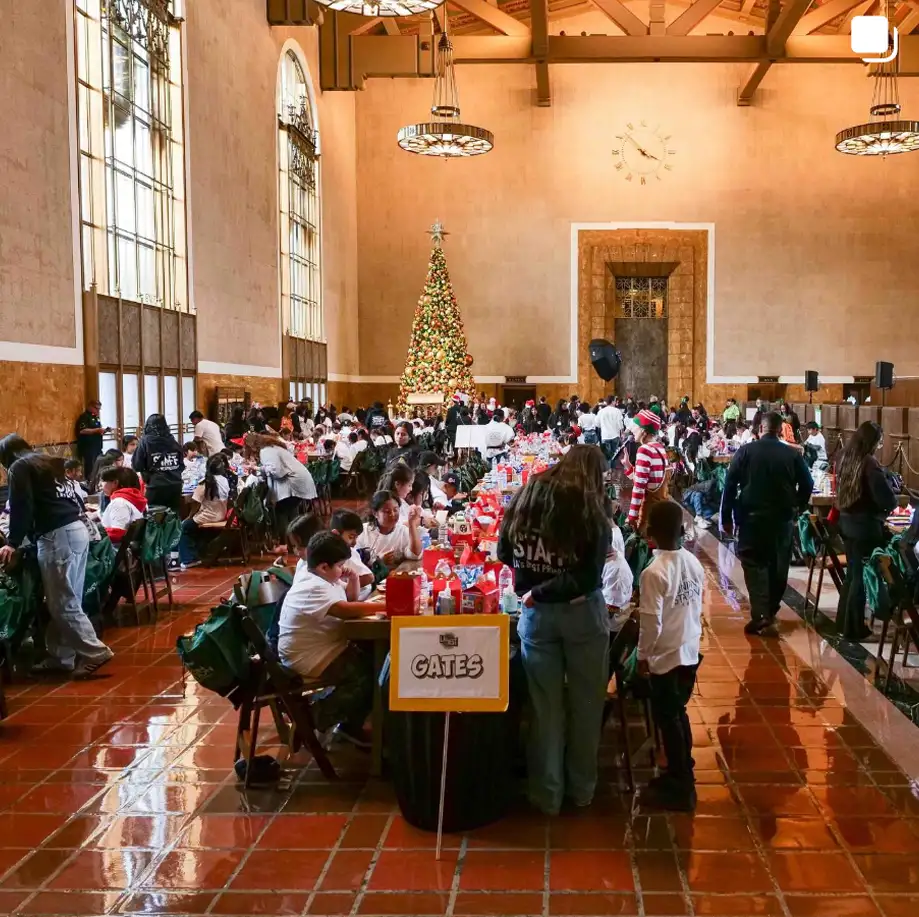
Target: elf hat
{"x":648,"y":421}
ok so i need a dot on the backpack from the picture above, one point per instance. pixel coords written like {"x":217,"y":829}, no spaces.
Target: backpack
{"x":250,"y":507}
{"x":262,"y":592}
{"x":18,"y":600}
{"x":217,"y":653}
{"x":161,"y":535}
{"x":100,"y":568}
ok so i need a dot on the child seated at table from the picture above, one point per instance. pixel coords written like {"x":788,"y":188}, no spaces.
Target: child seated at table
{"x":312,"y":643}
{"x":195,"y":467}
{"x":618,"y":581}
{"x":126,"y":502}
{"x":73,"y":471}
{"x":668,"y":652}
{"x":388,"y":539}
{"x":349,"y":526}
{"x":398,"y":481}
{"x":299,"y":533}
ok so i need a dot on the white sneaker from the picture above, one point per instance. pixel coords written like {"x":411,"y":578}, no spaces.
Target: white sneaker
{"x":701,"y":522}
{"x":86,"y":667}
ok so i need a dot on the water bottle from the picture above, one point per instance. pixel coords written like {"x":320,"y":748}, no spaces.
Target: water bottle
{"x":509,"y":602}
{"x":442,"y":534}
{"x":505,"y":580}
{"x":425,"y":592}
{"x":445,"y":603}
{"x":425,"y":539}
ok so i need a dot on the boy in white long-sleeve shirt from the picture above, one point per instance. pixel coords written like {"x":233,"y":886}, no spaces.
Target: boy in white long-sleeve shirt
{"x":668,"y":652}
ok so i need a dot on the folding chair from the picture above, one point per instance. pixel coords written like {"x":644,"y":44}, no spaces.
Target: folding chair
{"x":354,"y":476}
{"x":286,"y":694}
{"x":621,"y":648}
{"x":233,"y":531}
{"x":157,"y":516}
{"x":825,"y":560}
{"x":127,"y":565}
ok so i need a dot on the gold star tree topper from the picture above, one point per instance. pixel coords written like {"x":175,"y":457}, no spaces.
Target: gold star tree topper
{"x":438,"y":233}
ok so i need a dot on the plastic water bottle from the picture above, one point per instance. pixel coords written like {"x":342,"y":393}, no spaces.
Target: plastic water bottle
{"x":425,"y":592}
{"x":509,"y":602}
{"x":445,"y":602}
{"x":505,"y":580}
{"x":425,"y":539}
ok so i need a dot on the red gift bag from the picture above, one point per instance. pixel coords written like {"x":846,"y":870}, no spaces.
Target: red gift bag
{"x":403,"y":594}
{"x":432,"y":557}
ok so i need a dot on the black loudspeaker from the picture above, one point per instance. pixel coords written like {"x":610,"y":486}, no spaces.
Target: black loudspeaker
{"x":605,"y":359}
{"x":883,"y":374}
{"x":811,"y":382}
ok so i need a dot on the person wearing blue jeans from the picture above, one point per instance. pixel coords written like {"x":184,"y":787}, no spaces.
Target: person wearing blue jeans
{"x":45,"y":509}
{"x":555,"y":536}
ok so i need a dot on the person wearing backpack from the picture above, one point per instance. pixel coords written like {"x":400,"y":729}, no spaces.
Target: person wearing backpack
{"x":158,"y":460}
{"x":311,"y":641}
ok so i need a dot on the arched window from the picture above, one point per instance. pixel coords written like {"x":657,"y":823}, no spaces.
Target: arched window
{"x":300,"y":240}
{"x":130,"y":130}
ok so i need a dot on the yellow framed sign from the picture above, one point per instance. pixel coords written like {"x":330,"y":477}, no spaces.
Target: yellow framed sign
{"x":455,"y":663}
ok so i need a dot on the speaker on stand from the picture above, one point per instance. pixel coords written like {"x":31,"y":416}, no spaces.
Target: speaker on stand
{"x":883,"y":378}
{"x":811,"y":383}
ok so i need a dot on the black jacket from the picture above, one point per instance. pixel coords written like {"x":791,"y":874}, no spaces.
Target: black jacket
{"x":159,"y":460}
{"x":877,"y":497}
{"x":41,"y":501}
{"x":768,"y":480}
{"x":551,"y":577}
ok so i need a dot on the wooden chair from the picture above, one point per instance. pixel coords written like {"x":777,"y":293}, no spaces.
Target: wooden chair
{"x":224,"y":537}
{"x":354,"y":476}
{"x":129,"y":575}
{"x":903,"y":617}
{"x":286,"y":694}
{"x":157,"y":516}
{"x":825,"y":560}
{"x":622,"y":646}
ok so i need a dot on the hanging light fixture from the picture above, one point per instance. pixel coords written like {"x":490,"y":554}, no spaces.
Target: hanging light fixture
{"x":886,"y":133}
{"x":445,"y":136}
{"x":376,"y":8}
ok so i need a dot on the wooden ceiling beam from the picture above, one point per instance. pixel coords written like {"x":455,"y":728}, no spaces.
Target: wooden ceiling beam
{"x":747,"y":91}
{"x":539,"y":29}
{"x":391,"y":25}
{"x":823,"y":14}
{"x":860,"y":10}
{"x":493,"y":16}
{"x":780,"y":32}
{"x":909,"y":22}
{"x":690,"y":18}
{"x":622,"y":16}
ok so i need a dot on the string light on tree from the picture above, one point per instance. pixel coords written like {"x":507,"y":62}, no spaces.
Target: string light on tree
{"x":437,"y":361}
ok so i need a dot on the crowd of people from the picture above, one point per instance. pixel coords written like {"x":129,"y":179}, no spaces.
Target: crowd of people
{"x":561,"y":535}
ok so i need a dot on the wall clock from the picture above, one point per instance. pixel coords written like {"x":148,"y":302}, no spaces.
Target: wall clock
{"x":642,"y":152}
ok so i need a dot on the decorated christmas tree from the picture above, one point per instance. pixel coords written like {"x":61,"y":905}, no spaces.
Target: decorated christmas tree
{"x":437,"y":361}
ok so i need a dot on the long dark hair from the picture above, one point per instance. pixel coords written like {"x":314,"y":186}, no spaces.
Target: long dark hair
{"x":851,"y":463}
{"x":570,"y":519}
{"x":410,"y":429}
{"x":216,"y":467}
{"x":13,"y":447}
{"x":104,"y":461}
{"x":398,"y":474}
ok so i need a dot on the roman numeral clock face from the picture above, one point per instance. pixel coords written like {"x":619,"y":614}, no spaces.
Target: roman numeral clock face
{"x":643,"y":153}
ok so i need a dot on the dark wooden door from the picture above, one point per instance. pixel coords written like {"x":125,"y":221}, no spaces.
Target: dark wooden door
{"x":643,"y":345}
{"x":516,"y":396}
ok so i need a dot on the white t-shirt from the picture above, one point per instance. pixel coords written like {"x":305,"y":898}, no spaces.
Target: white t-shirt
{"x":360,"y":446}
{"x":437,"y":493}
{"x":345,"y":453}
{"x":209,"y":433}
{"x":497,"y":436}
{"x":617,"y":574}
{"x":310,"y":638}
{"x":398,"y":540}
{"x":671,"y":611}
{"x":817,"y":441}
{"x":588,"y":421}
{"x":212,"y":511}
{"x":612,"y":423}
{"x":120,"y":513}
{"x":361,"y":569}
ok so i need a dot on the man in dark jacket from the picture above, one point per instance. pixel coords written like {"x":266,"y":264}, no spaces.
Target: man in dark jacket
{"x":90,"y":433}
{"x":767,"y":485}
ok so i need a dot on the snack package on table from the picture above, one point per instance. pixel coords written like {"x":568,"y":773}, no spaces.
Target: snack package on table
{"x":470,"y":575}
{"x":433,"y":558}
{"x":483,"y":597}
{"x":403,"y":594}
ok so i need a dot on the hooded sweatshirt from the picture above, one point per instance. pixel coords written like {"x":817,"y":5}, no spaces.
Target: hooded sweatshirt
{"x":126,"y":506}
{"x":158,"y":457}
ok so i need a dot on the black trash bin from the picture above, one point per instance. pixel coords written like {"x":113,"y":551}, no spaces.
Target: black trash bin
{"x":480,"y":761}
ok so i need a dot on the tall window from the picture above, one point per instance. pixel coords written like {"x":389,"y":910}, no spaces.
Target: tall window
{"x":298,"y":154}
{"x":132,"y":181}
{"x":641,"y":297}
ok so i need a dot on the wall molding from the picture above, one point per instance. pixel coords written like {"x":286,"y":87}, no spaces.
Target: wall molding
{"x":827,"y":380}
{"x":239,"y":369}
{"x":15,"y":352}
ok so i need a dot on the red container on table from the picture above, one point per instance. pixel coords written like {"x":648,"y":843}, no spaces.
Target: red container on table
{"x":482,"y":599}
{"x":403,"y":594}
{"x":456,"y":539}
{"x":433,"y":556}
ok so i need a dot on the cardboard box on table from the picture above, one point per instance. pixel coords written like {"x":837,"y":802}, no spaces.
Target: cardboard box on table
{"x":403,"y":594}
{"x":433,"y":556}
{"x":482,"y":599}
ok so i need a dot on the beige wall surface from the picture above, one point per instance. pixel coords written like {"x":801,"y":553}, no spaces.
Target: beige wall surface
{"x":814,"y":251}
{"x":37,"y":298}
{"x":233,"y":188}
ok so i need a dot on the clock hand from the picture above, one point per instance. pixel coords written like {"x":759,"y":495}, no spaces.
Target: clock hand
{"x":643,"y":152}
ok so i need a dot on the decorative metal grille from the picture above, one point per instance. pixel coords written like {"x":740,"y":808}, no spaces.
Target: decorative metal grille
{"x":146,"y":21}
{"x":641,"y":297}
{"x":302,"y":142}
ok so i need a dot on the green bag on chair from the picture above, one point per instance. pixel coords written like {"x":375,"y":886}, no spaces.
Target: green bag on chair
{"x":806,"y":536}
{"x":216,"y":654}
{"x":100,"y":566}
{"x":17,"y":605}
{"x":262,"y":592}
{"x":161,"y":536}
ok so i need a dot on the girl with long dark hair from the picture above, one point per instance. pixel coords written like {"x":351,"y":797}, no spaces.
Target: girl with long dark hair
{"x":45,"y":508}
{"x":212,"y":496}
{"x":158,"y":460}
{"x":385,"y":536}
{"x":864,"y":498}
{"x":555,"y":535}
{"x":398,"y":481}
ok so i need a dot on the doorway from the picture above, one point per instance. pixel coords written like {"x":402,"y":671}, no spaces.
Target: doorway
{"x":516,"y":396}
{"x":640,"y":333}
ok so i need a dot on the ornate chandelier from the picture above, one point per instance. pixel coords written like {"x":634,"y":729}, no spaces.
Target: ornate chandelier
{"x":446,"y":136}
{"x":885,"y":134}
{"x":381,"y":7}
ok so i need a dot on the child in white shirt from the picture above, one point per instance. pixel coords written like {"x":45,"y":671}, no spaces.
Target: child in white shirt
{"x":617,"y":580}
{"x":668,"y":652}
{"x":311,"y":641}
{"x":349,"y":526}
{"x":387,"y":538}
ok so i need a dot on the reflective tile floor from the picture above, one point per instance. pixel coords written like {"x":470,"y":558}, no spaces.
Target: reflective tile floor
{"x":117,"y":796}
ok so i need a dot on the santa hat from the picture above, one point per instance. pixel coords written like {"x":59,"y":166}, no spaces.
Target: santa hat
{"x":457,"y":398}
{"x":492,"y":403}
{"x":531,"y":403}
{"x":648,"y":421}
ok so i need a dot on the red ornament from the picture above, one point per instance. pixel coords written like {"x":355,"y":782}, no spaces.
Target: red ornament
{"x":468,"y":359}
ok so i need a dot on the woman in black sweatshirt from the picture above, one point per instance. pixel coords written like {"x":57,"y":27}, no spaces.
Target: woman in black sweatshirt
{"x":864,"y":497}
{"x":555,"y":535}
{"x":45,"y":508}
{"x":159,"y":460}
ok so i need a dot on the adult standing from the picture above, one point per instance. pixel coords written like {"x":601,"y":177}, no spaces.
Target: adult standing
{"x":864,"y":497}
{"x":555,"y":535}
{"x":497,"y":436}
{"x":650,"y":474}
{"x":45,"y":508}
{"x":208,"y":432}
{"x":731,"y":411}
{"x":236,"y":427}
{"x":767,"y":485}
{"x":543,"y":412}
{"x":612,"y":426}
{"x":90,"y":433}
{"x":452,"y":422}
{"x":158,"y":460}
{"x":406,"y":449}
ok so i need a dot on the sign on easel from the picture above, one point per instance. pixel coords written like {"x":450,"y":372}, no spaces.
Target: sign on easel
{"x":451,"y":664}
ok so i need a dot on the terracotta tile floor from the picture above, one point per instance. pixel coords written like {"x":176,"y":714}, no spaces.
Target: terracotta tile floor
{"x":117,"y":797}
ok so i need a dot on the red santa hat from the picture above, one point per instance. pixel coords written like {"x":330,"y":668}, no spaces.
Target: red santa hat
{"x":531,"y":403}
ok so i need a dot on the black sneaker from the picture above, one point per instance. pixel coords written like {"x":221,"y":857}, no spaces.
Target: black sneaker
{"x":764,"y":627}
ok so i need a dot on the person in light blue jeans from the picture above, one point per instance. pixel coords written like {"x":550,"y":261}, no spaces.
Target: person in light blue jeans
{"x":45,"y":509}
{"x":555,"y":535}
